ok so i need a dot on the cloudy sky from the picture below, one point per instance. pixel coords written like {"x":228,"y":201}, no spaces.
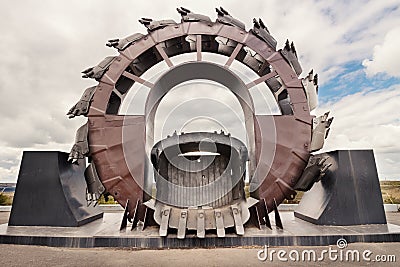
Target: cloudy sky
{"x":353,"y":45}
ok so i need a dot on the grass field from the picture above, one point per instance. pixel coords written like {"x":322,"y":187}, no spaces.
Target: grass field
{"x":391,"y":192}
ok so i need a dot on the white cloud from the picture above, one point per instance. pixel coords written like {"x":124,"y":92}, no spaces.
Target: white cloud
{"x":368,"y":120}
{"x":386,"y":57}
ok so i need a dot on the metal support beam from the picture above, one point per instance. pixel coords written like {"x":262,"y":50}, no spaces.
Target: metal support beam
{"x":261,"y":79}
{"x":278,"y":221}
{"x":233,"y":55}
{"x":198,"y":47}
{"x":124,"y":221}
{"x":164,"y":56}
{"x":137,"y":79}
{"x":135,"y":218}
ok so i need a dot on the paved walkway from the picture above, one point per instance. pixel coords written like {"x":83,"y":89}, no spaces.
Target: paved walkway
{"x":18,"y":255}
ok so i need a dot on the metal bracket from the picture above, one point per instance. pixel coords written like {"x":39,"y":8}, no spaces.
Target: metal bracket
{"x":316,"y":168}
{"x":188,"y":16}
{"x":98,"y":71}
{"x":225,"y":18}
{"x":94,"y":187}
{"x":282,"y":184}
{"x":82,"y":107}
{"x":121,"y":44}
{"x":256,"y":62}
{"x":81,"y":147}
{"x":153,"y":25}
{"x":310,"y":84}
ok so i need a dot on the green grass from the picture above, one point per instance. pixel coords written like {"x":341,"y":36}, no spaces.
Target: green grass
{"x":5,"y":199}
{"x":390,"y":192}
{"x":109,"y":200}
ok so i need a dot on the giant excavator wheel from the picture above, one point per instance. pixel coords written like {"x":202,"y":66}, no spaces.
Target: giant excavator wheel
{"x":279,"y":145}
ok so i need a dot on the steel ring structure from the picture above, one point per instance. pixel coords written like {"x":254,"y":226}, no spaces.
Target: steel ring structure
{"x":279,"y":146}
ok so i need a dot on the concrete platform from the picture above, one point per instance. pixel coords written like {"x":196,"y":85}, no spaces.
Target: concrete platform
{"x":105,"y":233}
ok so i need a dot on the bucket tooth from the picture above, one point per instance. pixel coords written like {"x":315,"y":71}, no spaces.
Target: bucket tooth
{"x":182,"y":224}
{"x":135,"y":218}
{"x":164,"y":221}
{"x":237,"y":219}
{"x":219,"y":222}
{"x":201,"y":232}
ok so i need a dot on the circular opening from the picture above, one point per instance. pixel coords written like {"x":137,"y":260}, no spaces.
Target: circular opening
{"x":199,"y":105}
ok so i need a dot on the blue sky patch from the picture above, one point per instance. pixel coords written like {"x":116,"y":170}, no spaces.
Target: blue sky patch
{"x":353,"y":79}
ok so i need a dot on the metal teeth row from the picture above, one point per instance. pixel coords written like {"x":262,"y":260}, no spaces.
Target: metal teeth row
{"x":188,"y":16}
{"x":175,"y":133}
{"x":259,"y":30}
{"x":226,"y":46}
{"x":203,"y":219}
